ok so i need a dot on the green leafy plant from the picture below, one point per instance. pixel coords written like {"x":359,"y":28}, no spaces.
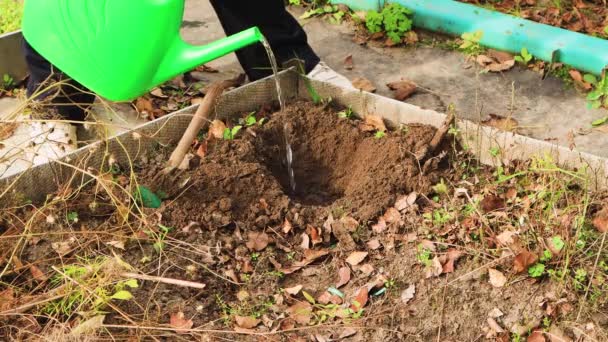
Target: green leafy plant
{"x":250,"y":120}
{"x":394,"y":19}
{"x":230,"y":133}
{"x":346,"y":114}
{"x":7,"y":81}
{"x":320,"y":10}
{"x":295,"y":2}
{"x":536,"y":270}
{"x":525,"y":57}
{"x":423,"y":255}
{"x":72,"y":217}
{"x":598,"y":97}
{"x":470,"y":44}
{"x":11,"y":12}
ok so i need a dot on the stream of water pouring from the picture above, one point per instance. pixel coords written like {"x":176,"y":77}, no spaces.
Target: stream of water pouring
{"x":289,"y":152}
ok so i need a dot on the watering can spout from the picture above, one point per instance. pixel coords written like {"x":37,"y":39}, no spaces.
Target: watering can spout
{"x":183,"y":57}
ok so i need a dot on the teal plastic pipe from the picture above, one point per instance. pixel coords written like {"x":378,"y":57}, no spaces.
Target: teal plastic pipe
{"x":502,"y":31}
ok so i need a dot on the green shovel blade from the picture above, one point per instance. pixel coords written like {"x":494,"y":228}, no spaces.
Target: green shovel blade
{"x":120,"y":49}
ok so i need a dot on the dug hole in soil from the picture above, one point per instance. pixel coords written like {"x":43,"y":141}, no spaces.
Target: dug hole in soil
{"x":337,"y":258}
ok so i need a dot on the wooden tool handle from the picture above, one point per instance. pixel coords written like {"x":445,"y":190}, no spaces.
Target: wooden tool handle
{"x":200,"y":117}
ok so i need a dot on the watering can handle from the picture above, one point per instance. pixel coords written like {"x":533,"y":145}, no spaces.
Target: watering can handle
{"x":183,"y":57}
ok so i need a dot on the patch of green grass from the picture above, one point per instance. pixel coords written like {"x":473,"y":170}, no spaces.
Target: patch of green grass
{"x":11,"y":12}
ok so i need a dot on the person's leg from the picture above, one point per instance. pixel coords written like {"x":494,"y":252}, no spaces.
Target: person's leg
{"x":70,"y":101}
{"x":284,"y":34}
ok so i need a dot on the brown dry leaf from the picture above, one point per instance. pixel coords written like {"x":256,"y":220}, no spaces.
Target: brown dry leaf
{"x":216,"y":129}
{"x":600,"y":221}
{"x":300,"y":312}
{"x":497,"y":279}
{"x":294,"y":290}
{"x":494,"y":325}
{"x":379,"y":227}
{"x":178,"y":322}
{"x":366,"y":269}
{"x":305,"y":244}
{"x":37,"y":273}
{"x":408,"y":294}
{"x":483,"y":60}
{"x":523,"y":261}
{"x":536,"y":336}
{"x":499,"y":56}
{"x":506,"y":238}
{"x":89,"y":326}
{"x":392,"y":215}
{"x":348,"y":332}
{"x":315,"y":237}
{"x":144,"y":105}
{"x":373,"y":123}
{"x":247,"y":267}
{"x":310,"y":255}
{"x":116,"y":244}
{"x":201,"y":151}
{"x":348,"y":62}
{"x":402,"y":89}
{"x":435,"y":269}
{"x":405,"y":202}
{"x":7,"y":129}
{"x":257,"y":241}
{"x":287,"y":227}
{"x":7,"y":297}
{"x":355,"y":258}
{"x":492,"y":203}
{"x":373,"y":244}
{"x":452,"y":256}
{"x":232,"y":275}
{"x":158,"y":93}
{"x":578,"y":79}
{"x":64,"y":247}
{"x":246,"y":322}
{"x":411,"y":37}
{"x":343,"y":276}
{"x":501,"y":122}
{"x":363,"y":84}
{"x":499,"y":67}
{"x":511,"y":193}
{"x":360,"y":299}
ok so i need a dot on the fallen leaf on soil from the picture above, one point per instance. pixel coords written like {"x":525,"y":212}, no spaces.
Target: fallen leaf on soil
{"x":348,"y":62}
{"x":435,"y":269}
{"x":257,"y":241}
{"x":89,"y":326}
{"x":506,"y":238}
{"x":373,"y":123}
{"x":178,"y":322}
{"x":64,"y":247}
{"x":536,"y":336}
{"x":557,"y":335}
{"x":495,"y":313}
{"x":243,"y":295}
{"x":402,"y":89}
{"x":494,"y":326}
{"x":315,"y":237}
{"x":379,"y":227}
{"x":600,"y":221}
{"x":305,"y":244}
{"x":355,"y":258}
{"x":452,"y":256}
{"x":360,"y":299}
{"x":363,"y":84}
{"x":116,"y":244}
{"x":499,"y":67}
{"x":300,"y":312}
{"x":373,"y":244}
{"x":294,"y":290}
{"x":392,"y":215}
{"x":366,"y":269}
{"x":344,"y":276}
{"x":578,"y":79}
{"x":232,"y":275}
{"x":310,"y":255}
{"x":408,"y":294}
{"x":7,"y":130}
{"x":491,"y":203}
{"x":7,"y":297}
{"x":348,"y":332}
{"x":501,"y":122}
{"x":37,"y":273}
{"x":497,"y":279}
{"x":144,"y":105}
{"x":287,"y":227}
{"x":201,"y":151}
{"x":511,"y":193}
{"x":500,"y":56}
{"x":216,"y":129}
{"x":428,"y":244}
{"x":246,"y":322}
{"x":405,"y":202}
{"x":324,"y":298}
{"x":523,"y":261}
{"x":158,"y":93}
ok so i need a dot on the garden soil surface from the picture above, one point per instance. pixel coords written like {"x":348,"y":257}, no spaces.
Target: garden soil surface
{"x":350,"y":254}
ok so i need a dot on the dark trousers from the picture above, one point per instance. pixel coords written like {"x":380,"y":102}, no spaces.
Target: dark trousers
{"x":285,"y":35}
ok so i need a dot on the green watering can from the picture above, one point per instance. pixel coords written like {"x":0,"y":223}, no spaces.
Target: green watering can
{"x":120,"y":49}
